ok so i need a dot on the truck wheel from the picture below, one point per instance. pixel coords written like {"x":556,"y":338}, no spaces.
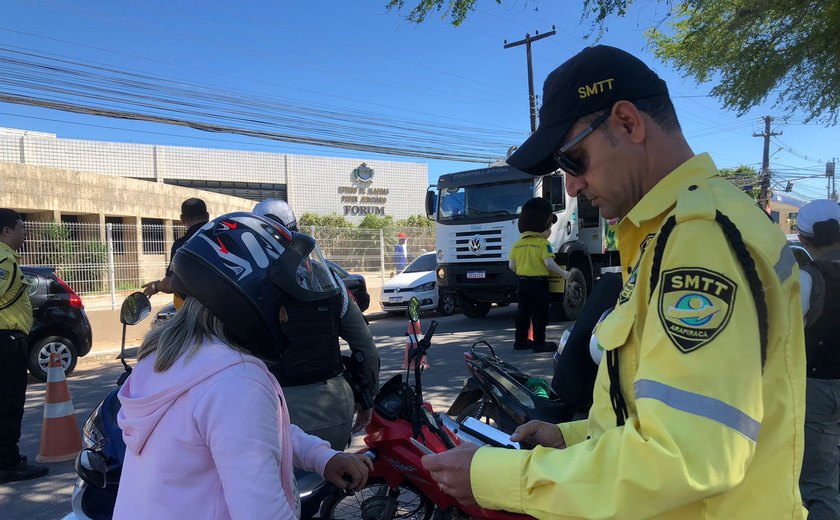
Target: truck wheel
{"x":574,"y":297}
{"x":474,"y":309}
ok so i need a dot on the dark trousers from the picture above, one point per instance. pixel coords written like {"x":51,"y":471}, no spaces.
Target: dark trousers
{"x":13,"y":354}
{"x":533,"y":308}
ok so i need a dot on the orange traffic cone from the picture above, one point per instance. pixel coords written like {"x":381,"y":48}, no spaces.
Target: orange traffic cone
{"x":409,"y":340}
{"x":531,"y":331}
{"x":60,"y":437}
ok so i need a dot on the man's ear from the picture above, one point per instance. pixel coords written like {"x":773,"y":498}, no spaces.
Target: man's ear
{"x":629,"y":121}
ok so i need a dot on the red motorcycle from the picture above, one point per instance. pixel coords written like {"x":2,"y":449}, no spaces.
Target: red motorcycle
{"x":402,"y":430}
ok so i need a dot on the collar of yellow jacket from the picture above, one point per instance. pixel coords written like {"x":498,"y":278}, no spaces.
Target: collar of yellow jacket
{"x":527,"y":234}
{"x":664,"y":194}
{"x":5,"y":249}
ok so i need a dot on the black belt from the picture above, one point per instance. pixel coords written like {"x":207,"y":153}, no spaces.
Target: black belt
{"x":11,"y":335}
{"x":533,"y":277}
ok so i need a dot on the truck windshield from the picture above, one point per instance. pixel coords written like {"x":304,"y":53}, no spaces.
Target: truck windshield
{"x":484,"y":200}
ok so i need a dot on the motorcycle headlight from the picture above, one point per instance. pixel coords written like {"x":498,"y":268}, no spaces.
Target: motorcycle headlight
{"x":93,"y":433}
{"x":564,"y":338}
{"x":425,"y":287}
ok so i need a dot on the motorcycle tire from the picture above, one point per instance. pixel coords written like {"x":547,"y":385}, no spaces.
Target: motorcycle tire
{"x":370,"y":502}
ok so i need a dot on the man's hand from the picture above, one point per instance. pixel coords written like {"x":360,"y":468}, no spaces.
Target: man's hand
{"x":534,"y":433}
{"x":362,"y":418}
{"x":348,"y":470}
{"x":150,"y":289}
{"x":451,"y":470}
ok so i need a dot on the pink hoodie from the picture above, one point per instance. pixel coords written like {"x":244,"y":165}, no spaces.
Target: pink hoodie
{"x":209,"y":439}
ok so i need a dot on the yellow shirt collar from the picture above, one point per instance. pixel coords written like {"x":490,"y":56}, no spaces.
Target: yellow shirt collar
{"x":664,"y":193}
{"x":5,"y":249}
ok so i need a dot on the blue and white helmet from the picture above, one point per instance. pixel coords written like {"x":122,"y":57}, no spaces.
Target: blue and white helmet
{"x":243,"y":268}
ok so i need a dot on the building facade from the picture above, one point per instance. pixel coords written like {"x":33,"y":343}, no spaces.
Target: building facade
{"x":351,"y":188}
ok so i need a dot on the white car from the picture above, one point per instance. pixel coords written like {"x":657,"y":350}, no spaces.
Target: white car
{"x":417,"y":279}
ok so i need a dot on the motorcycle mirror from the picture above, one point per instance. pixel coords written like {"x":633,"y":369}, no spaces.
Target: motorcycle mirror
{"x":135,"y":308}
{"x":414,"y":309}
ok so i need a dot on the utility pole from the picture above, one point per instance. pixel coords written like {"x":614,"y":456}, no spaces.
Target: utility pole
{"x":765,"y":163}
{"x":831,"y":193}
{"x":532,"y":98}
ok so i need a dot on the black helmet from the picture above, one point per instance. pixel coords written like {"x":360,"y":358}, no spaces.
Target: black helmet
{"x":243,"y":267}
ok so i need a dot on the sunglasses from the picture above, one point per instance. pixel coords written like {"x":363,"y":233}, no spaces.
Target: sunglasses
{"x":566,"y":163}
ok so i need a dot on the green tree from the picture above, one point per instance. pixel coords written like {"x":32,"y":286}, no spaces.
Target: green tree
{"x":372,"y":221}
{"x":416,"y":221}
{"x":455,"y":9}
{"x":750,"y":49}
{"x":331,"y":220}
{"x":744,"y":176}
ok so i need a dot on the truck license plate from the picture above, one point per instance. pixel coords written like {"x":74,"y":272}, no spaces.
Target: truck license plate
{"x":395,"y":299}
{"x":475,"y":275}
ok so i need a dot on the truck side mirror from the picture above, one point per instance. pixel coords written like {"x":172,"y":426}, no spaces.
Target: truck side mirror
{"x":431,"y":199}
{"x":558,"y":193}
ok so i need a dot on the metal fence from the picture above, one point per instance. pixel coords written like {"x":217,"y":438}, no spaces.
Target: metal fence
{"x":104,"y":263}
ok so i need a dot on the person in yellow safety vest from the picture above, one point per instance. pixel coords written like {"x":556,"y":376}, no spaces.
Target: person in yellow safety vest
{"x":193,"y":216}
{"x":700,"y":398}
{"x":15,"y":322}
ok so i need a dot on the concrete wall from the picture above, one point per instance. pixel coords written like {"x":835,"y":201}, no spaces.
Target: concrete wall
{"x":37,"y":189}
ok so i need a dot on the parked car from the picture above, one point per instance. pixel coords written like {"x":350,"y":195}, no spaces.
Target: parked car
{"x":417,"y":279}
{"x":354,"y":282}
{"x":60,"y":324}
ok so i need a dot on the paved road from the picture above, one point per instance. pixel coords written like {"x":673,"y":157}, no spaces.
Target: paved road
{"x":49,"y":497}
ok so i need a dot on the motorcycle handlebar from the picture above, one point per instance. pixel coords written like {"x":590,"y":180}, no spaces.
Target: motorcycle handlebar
{"x":427,"y":339}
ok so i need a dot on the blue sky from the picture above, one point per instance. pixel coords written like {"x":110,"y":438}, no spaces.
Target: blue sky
{"x":358,"y":60}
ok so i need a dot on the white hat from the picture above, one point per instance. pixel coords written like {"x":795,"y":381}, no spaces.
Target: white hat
{"x":278,"y":210}
{"x":816,"y":211}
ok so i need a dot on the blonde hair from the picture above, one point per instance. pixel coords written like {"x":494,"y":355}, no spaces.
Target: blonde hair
{"x":183,"y":334}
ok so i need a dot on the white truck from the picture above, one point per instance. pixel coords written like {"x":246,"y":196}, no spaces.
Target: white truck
{"x":476,"y":214}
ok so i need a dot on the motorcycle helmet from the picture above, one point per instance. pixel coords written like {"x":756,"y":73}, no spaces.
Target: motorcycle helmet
{"x":243,"y":268}
{"x":278,"y":210}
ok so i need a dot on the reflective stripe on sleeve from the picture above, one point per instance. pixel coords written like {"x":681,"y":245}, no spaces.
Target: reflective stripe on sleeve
{"x":701,"y":405}
{"x":784,"y":266}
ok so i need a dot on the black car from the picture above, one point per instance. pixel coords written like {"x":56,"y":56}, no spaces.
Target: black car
{"x":355,"y":282}
{"x":60,"y":324}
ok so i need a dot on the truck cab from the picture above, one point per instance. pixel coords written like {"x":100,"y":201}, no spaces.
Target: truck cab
{"x":477,"y":213}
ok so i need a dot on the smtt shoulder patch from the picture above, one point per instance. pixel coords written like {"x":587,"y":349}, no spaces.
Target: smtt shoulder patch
{"x":695,"y":304}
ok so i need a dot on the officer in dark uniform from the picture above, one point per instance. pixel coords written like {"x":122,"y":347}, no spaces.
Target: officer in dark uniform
{"x":818,"y":225}
{"x":15,"y":322}
{"x":324,"y":391}
{"x":193,"y":216}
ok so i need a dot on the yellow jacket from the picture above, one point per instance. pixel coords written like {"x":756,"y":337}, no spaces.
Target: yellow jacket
{"x":709,"y":433}
{"x":15,"y":308}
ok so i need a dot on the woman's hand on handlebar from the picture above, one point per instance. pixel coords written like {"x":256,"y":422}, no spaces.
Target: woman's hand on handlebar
{"x":348,"y":470}
{"x":539,"y":433}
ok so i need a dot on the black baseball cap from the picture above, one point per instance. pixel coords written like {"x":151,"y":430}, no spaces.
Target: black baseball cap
{"x":592,"y":80}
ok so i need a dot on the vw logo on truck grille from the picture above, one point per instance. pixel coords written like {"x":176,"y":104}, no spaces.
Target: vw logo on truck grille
{"x":476,"y":244}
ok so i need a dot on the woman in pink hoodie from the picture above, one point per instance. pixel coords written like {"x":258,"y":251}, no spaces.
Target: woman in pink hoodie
{"x":206,"y":431}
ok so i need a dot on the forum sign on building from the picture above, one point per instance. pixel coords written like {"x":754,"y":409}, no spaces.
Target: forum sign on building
{"x":351,"y":188}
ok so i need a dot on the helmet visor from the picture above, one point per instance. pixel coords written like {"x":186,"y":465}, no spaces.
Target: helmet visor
{"x":302,"y":272}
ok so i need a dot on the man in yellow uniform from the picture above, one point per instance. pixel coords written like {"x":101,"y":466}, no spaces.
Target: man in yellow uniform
{"x":15,"y":322}
{"x":699,"y":401}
